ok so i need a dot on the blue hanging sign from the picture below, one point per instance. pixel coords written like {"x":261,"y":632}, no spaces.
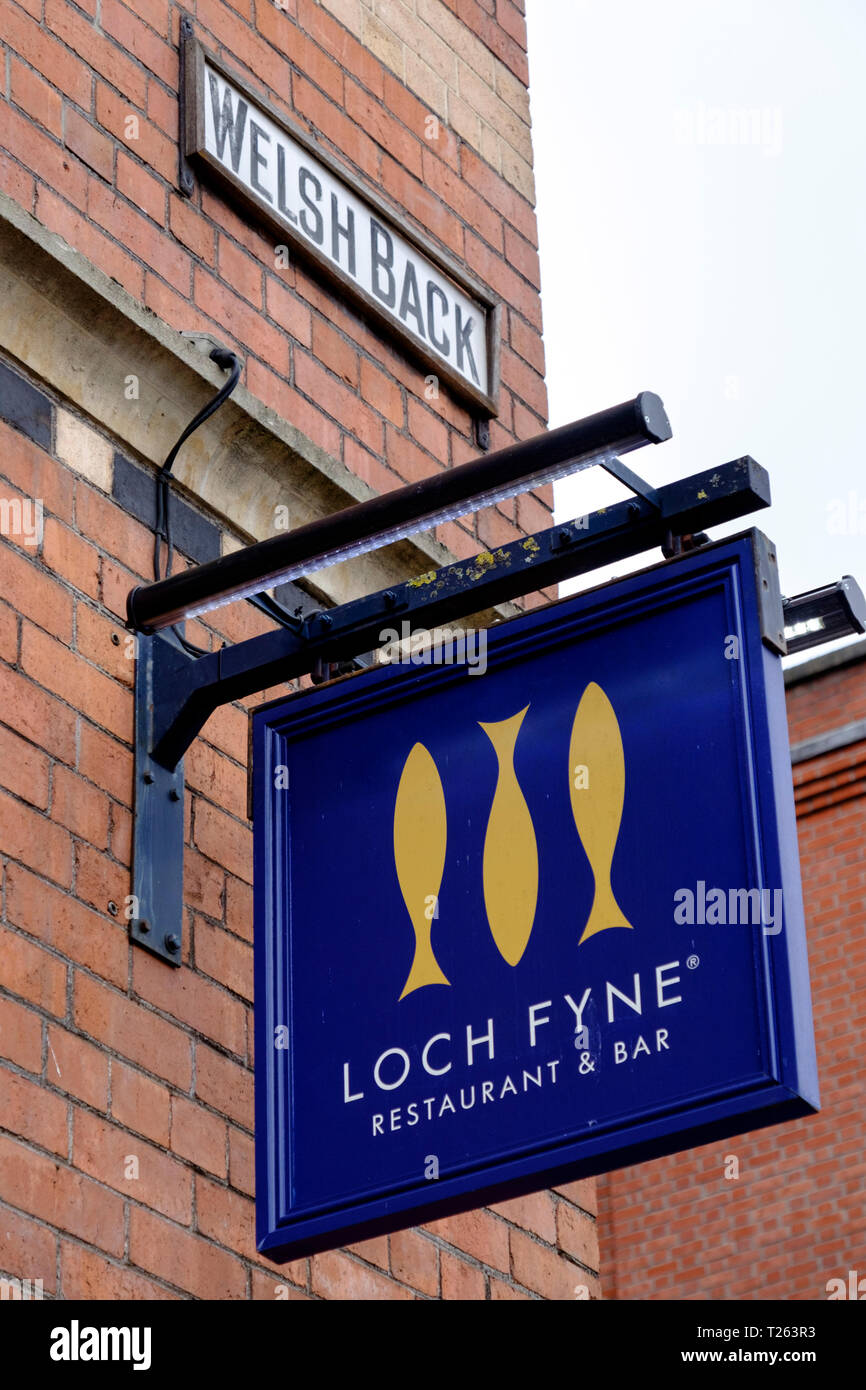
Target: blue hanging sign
{"x":525,"y":919}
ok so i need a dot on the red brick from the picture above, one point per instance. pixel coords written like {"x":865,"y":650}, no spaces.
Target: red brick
{"x":8,"y":634}
{"x":41,"y":50}
{"x":335,"y":1276}
{"x":240,"y":271}
{"x":293,"y":407}
{"x":224,"y":958}
{"x":139,"y":39}
{"x":428,"y":430}
{"x":242,"y":1168}
{"x":86,"y":1275}
{"x":188,"y":225}
{"x":102,"y":759}
{"x":27,"y":1246}
{"x":415,"y":1261}
{"x":204,"y":884}
{"x":89,"y":144}
{"x":335,"y":352}
{"x":535,"y":1213}
{"x":65,"y":553}
{"x":93,"y":638}
{"x":342,"y":132}
{"x":30,"y":469}
{"x":32,"y":1112}
{"x":239,"y":908}
{"x":582,"y":1194}
{"x":23,"y":769}
{"x":133,"y":1031}
{"x":77,"y":1067}
{"x":461,"y":1280}
{"x":288,"y":310}
{"x":109,"y":59}
{"x":183,"y":1259}
{"x":578,"y":1235}
{"x":82,"y":808}
{"x":31,"y":973}
{"x":241,"y":320}
{"x":138,"y":235}
{"x":227,"y":1217}
{"x":477,"y":1233}
{"x":216,"y":777}
{"x":500,"y":1291}
{"x":430,"y":213}
{"x":35,"y":594}
{"x":141,"y":188}
{"x":83,"y":686}
{"x":60,"y":1196}
{"x":103,"y":1151}
{"x":224,"y":1085}
{"x":35,"y":97}
{"x":139,"y":1103}
{"x":335,"y":39}
{"x":225,"y":840}
{"x":20,"y":1036}
{"x":198,"y":1136}
{"x":77,"y":232}
{"x":33,"y":839}
{"x":383,"y":394}
{"x":376,"y":120}
{"x":193,"y":1000}
{"x":144,"y":140}
{"x":539,"y":1269}
{"x":67,"y":925}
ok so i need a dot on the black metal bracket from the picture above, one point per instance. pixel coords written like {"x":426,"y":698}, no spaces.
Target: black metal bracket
{"x":619,"y":470}
{"x":157,"y":908}
{"x":175,"y":693}
{"x":185,"y":176}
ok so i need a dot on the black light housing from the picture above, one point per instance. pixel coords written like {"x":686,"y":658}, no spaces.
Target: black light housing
{"x":395,"y":515}
{"x":824,"y":615}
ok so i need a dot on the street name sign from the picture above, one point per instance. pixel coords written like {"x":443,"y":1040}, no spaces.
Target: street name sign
{"x":394,"y":273}
{"x":525,"y":927}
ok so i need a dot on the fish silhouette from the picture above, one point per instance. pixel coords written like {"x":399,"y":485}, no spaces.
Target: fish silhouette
{"x":510,"y":850}
{"x":596,"y":779}
{"x":420,"y":832}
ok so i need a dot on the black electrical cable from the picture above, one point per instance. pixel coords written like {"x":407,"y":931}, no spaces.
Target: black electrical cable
{"x":162,"y":525}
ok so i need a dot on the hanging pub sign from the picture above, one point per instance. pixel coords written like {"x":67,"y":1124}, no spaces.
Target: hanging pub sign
{"x":315,"y":206}
{"x":525,"y":919}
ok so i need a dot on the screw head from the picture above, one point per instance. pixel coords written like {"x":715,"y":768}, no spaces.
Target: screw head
{"x":112,"y":907}
{"x":172,"y":943}
{"x":174,"y":794}
{"x":144,"y":926}
{"x":148,"y":777}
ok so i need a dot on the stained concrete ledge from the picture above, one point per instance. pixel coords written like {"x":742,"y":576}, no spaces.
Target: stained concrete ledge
{"x":82,"y":334}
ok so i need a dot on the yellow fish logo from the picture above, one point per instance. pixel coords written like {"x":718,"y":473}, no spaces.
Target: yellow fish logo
{"x":596,"y":779}
{"x":420,"y":833}
{"x":510,"y":867}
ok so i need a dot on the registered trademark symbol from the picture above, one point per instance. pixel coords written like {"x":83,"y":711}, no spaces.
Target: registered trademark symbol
{"x":693,"y":962}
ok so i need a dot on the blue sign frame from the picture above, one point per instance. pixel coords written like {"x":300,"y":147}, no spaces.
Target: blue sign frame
{"x":526,"y":926}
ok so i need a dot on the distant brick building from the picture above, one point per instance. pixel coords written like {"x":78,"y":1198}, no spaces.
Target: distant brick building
{"x":126,"y":1123}
{"x":793,"y":1219}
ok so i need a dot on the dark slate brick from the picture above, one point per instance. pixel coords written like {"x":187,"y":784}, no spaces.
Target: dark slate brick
{"x":191,"y":533}
{"x":25,"y":408}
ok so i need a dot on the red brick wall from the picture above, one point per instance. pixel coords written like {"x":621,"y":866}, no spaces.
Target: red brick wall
{"x":677,"y":1227}
{"x":125,"y":1086}
{"x":67,"y":156}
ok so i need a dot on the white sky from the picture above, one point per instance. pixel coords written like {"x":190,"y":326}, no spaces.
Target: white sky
{"x":718,"y":264}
